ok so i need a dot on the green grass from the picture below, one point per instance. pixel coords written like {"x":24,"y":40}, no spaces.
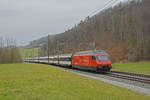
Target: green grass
{"x":139,"y":67}
{"x":44,"y":82}
{"x":29,"y":52}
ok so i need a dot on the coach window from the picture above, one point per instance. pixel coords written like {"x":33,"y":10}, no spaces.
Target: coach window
{"x":93,"y":58}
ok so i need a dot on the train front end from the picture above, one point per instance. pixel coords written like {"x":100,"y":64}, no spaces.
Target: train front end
{"x":103,"y":63}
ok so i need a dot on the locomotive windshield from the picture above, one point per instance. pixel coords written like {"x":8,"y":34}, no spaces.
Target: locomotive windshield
{"x":102,"y":57}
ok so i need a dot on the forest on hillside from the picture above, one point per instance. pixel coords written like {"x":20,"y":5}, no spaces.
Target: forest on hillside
{"x":123,"y":31}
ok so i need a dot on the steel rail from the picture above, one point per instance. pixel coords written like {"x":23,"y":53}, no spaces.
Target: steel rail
{"x":132,"y":78}
{"x":132,"y":74}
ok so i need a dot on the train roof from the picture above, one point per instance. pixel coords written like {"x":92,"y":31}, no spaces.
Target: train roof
{"x":91,"y":52}
{"x":65,"y":55}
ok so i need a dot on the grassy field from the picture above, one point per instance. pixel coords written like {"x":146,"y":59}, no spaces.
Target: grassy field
{"x":139,"y":67}
{"x":44,"y":82}
{"x":29,"y":52}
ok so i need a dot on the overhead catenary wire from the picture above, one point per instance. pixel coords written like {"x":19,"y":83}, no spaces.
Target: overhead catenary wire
{"x":113,"y":3}
{"x":107,"y":5}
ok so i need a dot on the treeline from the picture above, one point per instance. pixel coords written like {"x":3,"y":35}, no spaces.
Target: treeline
{"x":123,"y":31}
{"x":9,"y":53}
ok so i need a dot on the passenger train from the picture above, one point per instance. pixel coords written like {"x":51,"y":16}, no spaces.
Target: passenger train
{"x":98,"y":60}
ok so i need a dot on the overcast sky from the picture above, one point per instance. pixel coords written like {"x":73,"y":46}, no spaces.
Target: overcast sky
{"x":26,"y":20}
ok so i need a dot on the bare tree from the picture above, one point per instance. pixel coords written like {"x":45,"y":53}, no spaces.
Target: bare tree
{"x":9,"y":53}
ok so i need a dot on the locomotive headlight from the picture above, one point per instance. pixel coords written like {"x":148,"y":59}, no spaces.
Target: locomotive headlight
{"x":100,"y":63}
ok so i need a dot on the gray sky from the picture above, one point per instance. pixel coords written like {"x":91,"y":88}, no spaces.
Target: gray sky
{"x":26,"y":20}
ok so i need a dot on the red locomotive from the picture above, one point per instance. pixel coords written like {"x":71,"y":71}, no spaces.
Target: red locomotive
{"x":92,"y":60}
{"x":87,"y":60}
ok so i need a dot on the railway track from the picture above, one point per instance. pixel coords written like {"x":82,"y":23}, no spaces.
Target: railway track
{"x":126,"y":76}
{"x":130,"y":76}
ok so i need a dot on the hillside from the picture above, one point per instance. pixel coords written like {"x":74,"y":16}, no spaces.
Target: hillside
{"x":123,"y":31}
{"x":39,"y":42}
